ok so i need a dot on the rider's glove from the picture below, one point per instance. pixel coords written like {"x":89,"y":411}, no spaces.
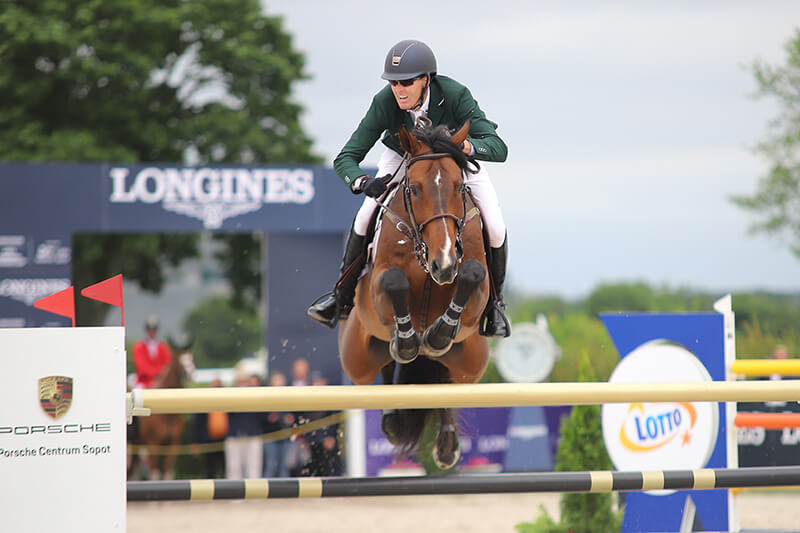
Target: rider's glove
{"x":371,"y":186}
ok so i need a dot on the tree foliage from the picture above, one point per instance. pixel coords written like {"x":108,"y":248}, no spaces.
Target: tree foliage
{"x":140,"y":257}
{"x":201,"y":82}
{"x":776,"y":201}
{"x":580,"y":449}
{"x":148,"y":80}
{"x":221,"y":333}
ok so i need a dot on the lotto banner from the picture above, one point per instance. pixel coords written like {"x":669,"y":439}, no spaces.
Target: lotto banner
{"x":62,"y":429}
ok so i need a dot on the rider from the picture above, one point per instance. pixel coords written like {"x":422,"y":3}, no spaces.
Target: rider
{"x":414,"y":91}
{"x":150,"y":355}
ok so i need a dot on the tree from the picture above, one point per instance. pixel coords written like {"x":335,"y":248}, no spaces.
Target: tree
{"x":580,"y":448}
{"x":152,"y":80}
{"x":141,"y":257}
{"x":776,"y":200}
{"x":221,"y":334}
{"x":620,"y":297}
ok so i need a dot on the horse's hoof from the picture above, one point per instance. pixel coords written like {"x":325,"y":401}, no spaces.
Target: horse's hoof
{"x":446,"y":451}
{"x":430,"y":342}
{"x":391,"y":426}
{"x":406,"y":354}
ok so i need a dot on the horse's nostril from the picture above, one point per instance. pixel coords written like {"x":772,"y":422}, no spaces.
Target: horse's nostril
{"x":435,"y":265}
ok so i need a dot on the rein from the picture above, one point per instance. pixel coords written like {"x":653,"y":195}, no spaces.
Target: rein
{"x":413,"y":229}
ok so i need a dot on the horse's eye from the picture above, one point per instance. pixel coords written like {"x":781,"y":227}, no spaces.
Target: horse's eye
{"x":415,"y":191}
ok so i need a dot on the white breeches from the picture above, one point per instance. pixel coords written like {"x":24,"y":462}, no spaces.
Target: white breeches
{"x":482,"y":191}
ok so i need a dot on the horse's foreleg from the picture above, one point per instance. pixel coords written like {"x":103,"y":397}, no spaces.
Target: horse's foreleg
{"x":438,"y":338}
{"x":405,"y":343}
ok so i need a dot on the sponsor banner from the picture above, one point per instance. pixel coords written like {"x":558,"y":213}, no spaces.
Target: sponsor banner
{"x":62,"y":428}
{"x":674,"y":436}
{"x":487,"y":437}
{"x":13,"y":252}
{"x":28,"y":290}
{"x":769,"y":447}
{"x":64,"y":198}
{"x":670,"y":347}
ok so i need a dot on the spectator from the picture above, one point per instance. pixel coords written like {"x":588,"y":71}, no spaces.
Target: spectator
{"x":780,"y":353}
{"x":298,"y":454}
{"x":150,"y":355}
{"x":243,"y":450}
{"x":323,"y":443}
{"x":275,"y":452}
{"x":300,"y":372}
{"x":211,"y":428}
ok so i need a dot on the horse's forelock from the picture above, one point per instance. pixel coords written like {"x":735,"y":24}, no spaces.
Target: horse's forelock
{"x":438,"y":138}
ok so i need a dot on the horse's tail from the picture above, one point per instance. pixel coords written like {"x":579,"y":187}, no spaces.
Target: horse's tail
{"x":405,"y":426}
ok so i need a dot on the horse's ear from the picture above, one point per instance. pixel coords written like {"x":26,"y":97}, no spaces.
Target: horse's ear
{"x":409,"y":142}
{"x":461,"y":135}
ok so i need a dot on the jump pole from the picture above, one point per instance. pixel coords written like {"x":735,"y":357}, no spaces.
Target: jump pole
{"x":606,"y":481}
{"x":246,"y":399}
{"x":766,"y":367}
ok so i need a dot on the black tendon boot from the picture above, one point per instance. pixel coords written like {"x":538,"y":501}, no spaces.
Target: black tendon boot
{"x":494,"y":322}
{"x":336,"y":305}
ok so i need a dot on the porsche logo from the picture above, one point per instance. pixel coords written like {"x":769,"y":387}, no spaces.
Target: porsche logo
{"x":55,"y":395}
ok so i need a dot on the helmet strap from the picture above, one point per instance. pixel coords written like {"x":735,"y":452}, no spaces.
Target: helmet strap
{"x":423,"y":93}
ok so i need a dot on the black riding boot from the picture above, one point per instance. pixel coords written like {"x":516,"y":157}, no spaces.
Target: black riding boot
{"x":331,"y":307}
{"x":494,"y":322}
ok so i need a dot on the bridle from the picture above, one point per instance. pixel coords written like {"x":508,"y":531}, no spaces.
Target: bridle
{"x":413,"y":229}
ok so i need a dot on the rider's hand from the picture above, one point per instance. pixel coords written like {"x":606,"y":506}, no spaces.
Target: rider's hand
{"x":372,"y":187}
{"x":466,"y":147}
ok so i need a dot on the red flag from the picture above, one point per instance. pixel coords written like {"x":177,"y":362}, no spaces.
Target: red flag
{"x":61,"y":303}
{"x":108,"y":291}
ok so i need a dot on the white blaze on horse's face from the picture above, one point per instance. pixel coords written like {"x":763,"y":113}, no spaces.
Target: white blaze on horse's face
{"x":447,"y":244}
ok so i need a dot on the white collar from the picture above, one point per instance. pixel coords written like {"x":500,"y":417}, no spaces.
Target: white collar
{"x":423,"y":110}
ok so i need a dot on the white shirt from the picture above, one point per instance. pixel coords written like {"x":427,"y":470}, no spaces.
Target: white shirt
{"x":423,"y":110}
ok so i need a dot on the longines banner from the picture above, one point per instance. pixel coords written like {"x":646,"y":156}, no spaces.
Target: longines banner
{"x":62,"y":429}
{"x":303,"y":213}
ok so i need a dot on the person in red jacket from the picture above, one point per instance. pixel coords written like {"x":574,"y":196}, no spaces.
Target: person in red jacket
{"x":150,"y":355}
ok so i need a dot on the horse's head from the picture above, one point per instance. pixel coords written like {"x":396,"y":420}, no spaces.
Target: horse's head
{"x":435,"y":196}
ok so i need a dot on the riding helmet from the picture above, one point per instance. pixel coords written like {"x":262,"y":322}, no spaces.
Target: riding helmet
{"x":409,"y":59}
{"x":151,"y":322}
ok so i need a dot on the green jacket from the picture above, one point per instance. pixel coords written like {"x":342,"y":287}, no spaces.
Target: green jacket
{"x":451,"y":104}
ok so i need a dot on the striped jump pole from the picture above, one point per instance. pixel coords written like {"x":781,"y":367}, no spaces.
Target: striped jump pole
{"x":606,"y":481}
{"x":766,"y":367}
{"x":767,"y":420}
{"x":244,"y":399}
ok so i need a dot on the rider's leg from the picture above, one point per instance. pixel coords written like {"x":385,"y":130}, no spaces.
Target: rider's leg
{"x":337,"y":305}
{"x":494,"y":322}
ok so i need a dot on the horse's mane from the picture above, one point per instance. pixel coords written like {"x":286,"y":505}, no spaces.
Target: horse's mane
{"x":438,"y":139}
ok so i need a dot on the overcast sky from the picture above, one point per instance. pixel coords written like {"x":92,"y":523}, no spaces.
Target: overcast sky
{"x":629,"y":124}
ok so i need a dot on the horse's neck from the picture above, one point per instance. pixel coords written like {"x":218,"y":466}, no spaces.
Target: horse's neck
{"x":170,"y":379}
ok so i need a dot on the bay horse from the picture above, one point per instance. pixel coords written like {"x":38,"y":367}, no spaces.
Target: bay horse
{"x":418,"y":307}
{"x":162,"y":429}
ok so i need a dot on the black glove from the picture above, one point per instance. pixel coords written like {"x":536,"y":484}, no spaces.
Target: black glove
{"x":373,"y":187}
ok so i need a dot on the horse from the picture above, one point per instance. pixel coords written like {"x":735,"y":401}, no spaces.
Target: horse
{"x":428,"y":274}
{"x":162,"y":429}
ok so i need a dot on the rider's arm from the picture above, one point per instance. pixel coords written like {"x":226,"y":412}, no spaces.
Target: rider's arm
{"x":488,"y":146}
{"x":361,"y":141}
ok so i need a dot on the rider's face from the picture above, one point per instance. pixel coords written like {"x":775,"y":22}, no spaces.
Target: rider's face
{"x":408,"y":96}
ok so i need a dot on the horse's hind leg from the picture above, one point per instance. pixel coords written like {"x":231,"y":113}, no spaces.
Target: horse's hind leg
{"x":404,"y":346}
{"x":446,"y":450}
{"x":438,"y":338}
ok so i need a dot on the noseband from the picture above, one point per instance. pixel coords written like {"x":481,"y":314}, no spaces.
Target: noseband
{"x":414,"y":230}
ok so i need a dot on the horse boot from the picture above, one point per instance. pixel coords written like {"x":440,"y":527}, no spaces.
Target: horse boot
{"x":336,"y":305}
{"x":494,"y":322}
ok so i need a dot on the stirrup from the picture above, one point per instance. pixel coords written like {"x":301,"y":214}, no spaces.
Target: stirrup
{"x":494,"y":322}
{"x":328,"y":314}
